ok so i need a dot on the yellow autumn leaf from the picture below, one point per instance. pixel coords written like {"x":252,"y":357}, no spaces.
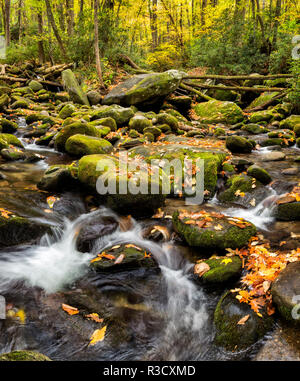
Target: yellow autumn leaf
{"x":226,"y":261}
{"x":97,"y":336}
{"x":21,"y":315}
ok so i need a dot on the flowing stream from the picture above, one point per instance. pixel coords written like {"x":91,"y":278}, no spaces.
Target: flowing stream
{"x":153,"y":315}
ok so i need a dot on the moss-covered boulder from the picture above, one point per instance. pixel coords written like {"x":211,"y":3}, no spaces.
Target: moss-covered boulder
{"x":139,"y":123}
{"x":144,"y":90}
{"x":242,"y":189}
{"x":260,"y":174}
{"x":284,"y":134}
{"x":35,"y":86}
{"x":73,"y":88}
{"x":80,"y":145}
{"x":261,"y":116}
{"x":288,"y":212}
{"x":285,"y":290}
{"x":10,"y":139}
{"x":13,"y":154}
{"x":67,"y":111}
{"x":73,"y":129}
{"x":108,"y":122}
{"x":16,"y":230}
{"x":8,"y":126}
{"x":4,"y":100}
{"x":182,"y":103}
{"x":255,"y":129}
{"x":219,"y":112}
{"x":277,"y":142}
{"x":297,"y":130}
{"x":120,"y":114}
{"x":125,"y":191}
{"x":57,"y":179}
{"x":36,"y":117}
{"x":94,"y":97}
{"x":23,"y":356}
{"x":125,"y":257}
{"x":213,"y":232}
{"x":166,"y":154}
{"x":222,"y":269}
{"x":166,"y":118}
{"x":5,"y":90}
{"x":262,"y":99}
{"x":62,"y":96}
{"x":156,"y":132}
{"x":290,"y":122}
{"x":229,"y":333}
{"x":238,"y":144}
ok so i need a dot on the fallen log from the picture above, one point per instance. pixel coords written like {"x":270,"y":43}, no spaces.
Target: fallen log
{"x":239,"y":77}
{"x":199,"y":93}
{"x":237,"y":88}
{"x":24,"y":80}
{"x":268,"y":103}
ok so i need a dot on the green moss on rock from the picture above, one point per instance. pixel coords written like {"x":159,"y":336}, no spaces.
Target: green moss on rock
{"x":238,"y":144}
{"x":23,"y":356}
{"x":219,"y":112}
{"x":260,"y":174}
{"x":288,"y":212}
{"x":229,"y":333}
{"x":222,"y":269}
{"x":80,"y":145}
{"x":74,"y":129}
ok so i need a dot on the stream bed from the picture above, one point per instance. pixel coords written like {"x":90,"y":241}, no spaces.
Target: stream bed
{"x":152,"y":314}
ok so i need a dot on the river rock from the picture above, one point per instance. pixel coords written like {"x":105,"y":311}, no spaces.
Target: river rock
{"x":35,"y":85}
{"x":129,"y":256}
{"x":286,"y":292}
{"x":182,"y":103}
{"x":73,"y":129}
{"x":73,"y":88}
{"x":145,"y":90}
{"x":81,"y":145}
{"x":229,"y":333}
{"x":23,"y":356}
{"x":238,"y":144}
{"x":169,"y":120}
{"x":222,"y":269}
{"x":9,"y":139}
{"x":57,"y":178}
{"x":288,"y":212}
{"x":273,"y":156}
{"x":18,"y":230}
{"x":67,"y":111}
{"x":99,"y":171}
{"x":94,"y":97}
{"x":218,"y":234}
{"x":120,"y":114}
{"x":290,"y":171}
{"x":263,"y":98}
{"x":260,"y":174}
{"x":254,"y":129}
{"x":13,"y":154}
{"x":219,"y":112}
{"x":261,"y":116}
{"x":4,"y":100}
{"x":8,"y":126}
{"x":290,"y":122}
{"x":93,"y":230}
{"x":139,"y":123}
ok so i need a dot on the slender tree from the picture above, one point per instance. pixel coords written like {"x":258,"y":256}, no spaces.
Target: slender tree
{"x":55,"y":30}
{"x":96,"y":43}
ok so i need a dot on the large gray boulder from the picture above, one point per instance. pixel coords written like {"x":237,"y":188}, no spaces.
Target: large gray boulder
{"x":144,"y":89}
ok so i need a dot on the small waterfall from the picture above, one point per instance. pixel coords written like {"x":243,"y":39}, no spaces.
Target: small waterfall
{"x":261,"y":215}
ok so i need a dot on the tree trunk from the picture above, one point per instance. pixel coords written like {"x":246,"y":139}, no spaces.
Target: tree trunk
{"x":55,"y":30}
{"x":153,"y":22}
{"x":276,"y":23}
{"x":70,"y":16}
{"x":7,"y":21}
{"x":20,"y":6}
{"x":97,"y":51}
{"x":42,"y":57}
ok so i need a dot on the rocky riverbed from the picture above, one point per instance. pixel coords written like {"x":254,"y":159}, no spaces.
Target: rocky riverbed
{"x":163,"y":278}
